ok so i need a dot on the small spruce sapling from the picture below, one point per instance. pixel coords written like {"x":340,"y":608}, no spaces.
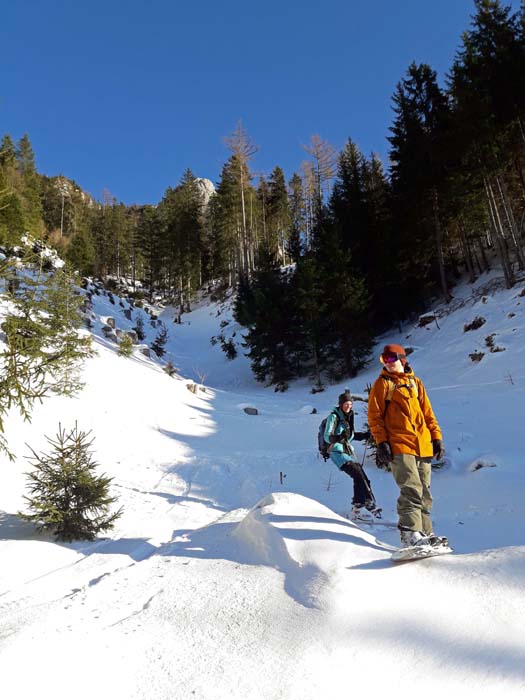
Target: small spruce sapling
{"x":139,"y":328}
{"x":160,"y":341}
{"x":228,"y":348}
{"x":170,"y":369}
{"x":125,"y":347}
{"x":66,"y":496}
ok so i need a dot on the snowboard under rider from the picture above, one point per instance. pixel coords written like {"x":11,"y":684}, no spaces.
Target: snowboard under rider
{"x":339,"y":433}
{"x":408,"y":436}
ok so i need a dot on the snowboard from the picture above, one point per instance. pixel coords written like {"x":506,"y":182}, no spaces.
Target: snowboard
{"x":420,"y":552}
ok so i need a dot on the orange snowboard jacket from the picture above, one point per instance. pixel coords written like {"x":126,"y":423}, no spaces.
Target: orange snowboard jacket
{"x":407,"y":421}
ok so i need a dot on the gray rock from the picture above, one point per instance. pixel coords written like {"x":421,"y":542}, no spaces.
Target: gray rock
{"x":109,"y":333}
{"x":251,"y":411}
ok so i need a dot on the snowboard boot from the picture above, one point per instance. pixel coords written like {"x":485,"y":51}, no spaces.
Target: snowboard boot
{"x":434,"y":540}
{"x":358,"y":512}
{"x":373,"y":509}
{"x":412,"y":538}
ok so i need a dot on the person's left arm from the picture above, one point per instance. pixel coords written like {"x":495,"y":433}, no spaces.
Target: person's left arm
{"x":428,"y":413}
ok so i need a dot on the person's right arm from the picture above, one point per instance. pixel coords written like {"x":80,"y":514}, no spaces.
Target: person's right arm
{"x":376,"y":411}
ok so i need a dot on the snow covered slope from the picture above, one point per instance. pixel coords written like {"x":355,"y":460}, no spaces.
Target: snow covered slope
{"x":232,"y":573}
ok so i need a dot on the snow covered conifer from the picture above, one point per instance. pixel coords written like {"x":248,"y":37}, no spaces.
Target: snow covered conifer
{"x":66,"y":496}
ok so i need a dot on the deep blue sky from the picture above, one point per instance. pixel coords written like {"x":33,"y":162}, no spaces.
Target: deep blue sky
{"x":126,"y":94}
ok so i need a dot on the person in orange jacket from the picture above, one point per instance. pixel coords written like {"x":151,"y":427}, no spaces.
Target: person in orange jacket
{"x":408,"y":436}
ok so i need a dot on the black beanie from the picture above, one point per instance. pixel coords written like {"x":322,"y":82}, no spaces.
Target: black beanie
{"x":344,"y":397}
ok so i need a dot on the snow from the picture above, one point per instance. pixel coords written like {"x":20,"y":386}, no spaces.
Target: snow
{"x":233,"y":572}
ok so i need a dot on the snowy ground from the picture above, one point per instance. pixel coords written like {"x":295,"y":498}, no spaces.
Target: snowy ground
{"x":220,"y":581}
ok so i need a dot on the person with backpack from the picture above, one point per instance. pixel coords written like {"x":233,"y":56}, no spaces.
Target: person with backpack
{"x":408,"y":436}
{"x":337,"y":436}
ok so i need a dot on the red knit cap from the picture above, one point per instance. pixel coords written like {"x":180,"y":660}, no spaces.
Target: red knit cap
{"x":393,"y":349}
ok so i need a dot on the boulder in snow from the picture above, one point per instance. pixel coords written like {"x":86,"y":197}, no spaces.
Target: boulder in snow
{"x":109,"y":333}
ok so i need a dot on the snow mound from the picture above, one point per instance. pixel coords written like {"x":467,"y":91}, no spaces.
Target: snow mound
{"x":481,"y":462}
{"x":306,"y":409}
{"x":304,"y":540}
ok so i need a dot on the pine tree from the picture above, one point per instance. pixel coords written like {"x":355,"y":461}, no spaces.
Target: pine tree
{"x":30,"y":189}
{"x":180,"y":216}
{"x":298,"y":218}
{"x":67,"y":346}
{"x":125,"y":346}
{"x":309,"y":308}
{"x":80,"y":253}
{"x":345,"y":330}
{"x":225,"y":225}
{"x":160,"y":341}
{"x":489,"y":109}
{"x":348,"y":205}
{"x":66,"y":495}
{"x":7,"y":152}
{"x":262,"y":231}
{"x":139,"y":327}
{"x":264,"y":305}
{"x":380,"y":277}
{"x":11,"y":213}
{"x":278,"y":216}
{"x":170,"y":369}
{"x":419,"y":171}
{"x":43,"y":347}
{"x":151,"y":246}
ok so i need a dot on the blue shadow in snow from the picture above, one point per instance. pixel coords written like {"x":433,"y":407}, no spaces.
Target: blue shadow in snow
{"x":13,"y":527}
{"x":217,"y":541}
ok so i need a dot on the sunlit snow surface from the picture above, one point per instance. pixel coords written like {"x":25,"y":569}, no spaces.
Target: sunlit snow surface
{"x":232,"y":573}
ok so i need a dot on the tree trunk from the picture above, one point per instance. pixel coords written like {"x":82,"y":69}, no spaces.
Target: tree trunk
{"x":519,"y":173}
{"x":484,"y":258}
{"x":466,"y":251}
{"x":245,"y":258}
{"x":317,"y":371}
{"x":511,"y":220}
{"x":499,"y":237}
{"x":522,"y":131}
{"x":439,"y":247}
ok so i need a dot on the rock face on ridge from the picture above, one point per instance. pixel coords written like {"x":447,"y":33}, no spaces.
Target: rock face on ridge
{"x":206,"y":187}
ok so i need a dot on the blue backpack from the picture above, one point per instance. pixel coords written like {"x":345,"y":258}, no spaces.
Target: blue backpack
{"x":323,"y":446}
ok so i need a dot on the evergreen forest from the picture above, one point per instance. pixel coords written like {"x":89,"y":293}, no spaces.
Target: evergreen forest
{"x":327,"y":257}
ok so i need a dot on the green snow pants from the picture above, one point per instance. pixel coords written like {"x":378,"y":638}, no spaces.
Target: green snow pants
{"x":412,"y":475}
